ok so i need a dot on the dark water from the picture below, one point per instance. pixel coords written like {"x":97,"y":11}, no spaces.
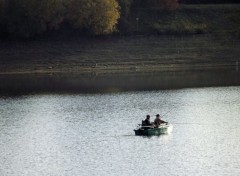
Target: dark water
{"x":69,"y":125}
{"x":92,"y":134}
{"x":104,"y":83}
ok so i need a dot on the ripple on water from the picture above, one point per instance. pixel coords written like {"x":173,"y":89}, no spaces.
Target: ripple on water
{"x":92,"y":134}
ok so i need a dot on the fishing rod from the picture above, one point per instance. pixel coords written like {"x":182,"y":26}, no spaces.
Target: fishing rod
{"x":192,"y":123}
{"x":168,"y":111}
{"x":188,"y":123}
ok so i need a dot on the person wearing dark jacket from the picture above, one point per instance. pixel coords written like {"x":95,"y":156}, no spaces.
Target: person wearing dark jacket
{"x":146,"y":122}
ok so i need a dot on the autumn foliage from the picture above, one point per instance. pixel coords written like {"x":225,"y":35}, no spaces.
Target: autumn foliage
{"x":98,"y":16}
{"x":28,"y":18}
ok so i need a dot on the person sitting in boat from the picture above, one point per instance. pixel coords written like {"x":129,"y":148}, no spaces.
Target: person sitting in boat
{"x":158,"y":121}
{"x":146,"y":122}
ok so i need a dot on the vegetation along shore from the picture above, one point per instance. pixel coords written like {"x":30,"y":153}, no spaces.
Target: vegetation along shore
{"x":125,"y":35}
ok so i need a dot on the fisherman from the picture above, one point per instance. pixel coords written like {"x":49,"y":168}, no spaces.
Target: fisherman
{"x":146,"y":122}
{"x":158,"y":121}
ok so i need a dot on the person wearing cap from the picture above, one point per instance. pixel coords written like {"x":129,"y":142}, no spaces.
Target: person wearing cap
{"x":158,"y":121}
{"x":147,"y":122}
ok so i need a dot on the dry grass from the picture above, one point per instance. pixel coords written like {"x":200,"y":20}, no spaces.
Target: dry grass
{"x":114,"y":54}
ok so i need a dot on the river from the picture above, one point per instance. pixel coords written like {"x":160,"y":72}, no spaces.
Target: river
{"x":88,"y":134}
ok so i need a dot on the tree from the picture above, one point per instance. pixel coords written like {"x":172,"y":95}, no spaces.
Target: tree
{"x":96,"y":16}
{"x":125,"y":7}
{"x":52,"y":12}
{"x":2,"y":5}
{"x":26,"y":18}
{"x":2,"y":9}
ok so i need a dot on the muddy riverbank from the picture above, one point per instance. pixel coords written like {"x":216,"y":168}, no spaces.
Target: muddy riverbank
{"x":119,"y":54}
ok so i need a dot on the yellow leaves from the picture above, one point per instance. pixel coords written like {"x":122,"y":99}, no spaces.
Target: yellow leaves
{"x":104,"y":17}
{"x":97,"y":16}
{"x":26,"y":18}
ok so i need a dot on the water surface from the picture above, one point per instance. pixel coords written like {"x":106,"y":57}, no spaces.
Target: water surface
{"x":22,"y":84}
{"x":92,"y":134}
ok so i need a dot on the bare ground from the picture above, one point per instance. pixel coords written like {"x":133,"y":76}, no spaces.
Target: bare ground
{"x":119,"y":54}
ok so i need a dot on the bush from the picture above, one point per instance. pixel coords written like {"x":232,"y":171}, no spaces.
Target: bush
{"x":97,"y":16}
{"x":125,"y":6}
{"x":26,"y":18}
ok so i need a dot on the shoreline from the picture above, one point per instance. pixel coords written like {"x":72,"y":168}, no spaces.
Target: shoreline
{"x":120,"y":55}
{"x":124,"y":70}
{"x":112,"y":82}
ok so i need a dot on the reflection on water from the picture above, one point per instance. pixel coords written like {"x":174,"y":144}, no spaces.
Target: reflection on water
{"x":94,"y":83}
{"x":92,"y":134}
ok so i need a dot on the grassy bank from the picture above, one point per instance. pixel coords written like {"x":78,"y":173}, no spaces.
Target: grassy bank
{"x":120,"y":54}
{"x":217,"y":48}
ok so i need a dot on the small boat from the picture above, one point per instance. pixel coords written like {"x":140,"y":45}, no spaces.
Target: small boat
{"x":152,"y":130}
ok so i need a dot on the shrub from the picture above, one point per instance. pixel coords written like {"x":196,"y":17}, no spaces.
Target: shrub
{"x":97,"y":16}
{"x":26,"y":18}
